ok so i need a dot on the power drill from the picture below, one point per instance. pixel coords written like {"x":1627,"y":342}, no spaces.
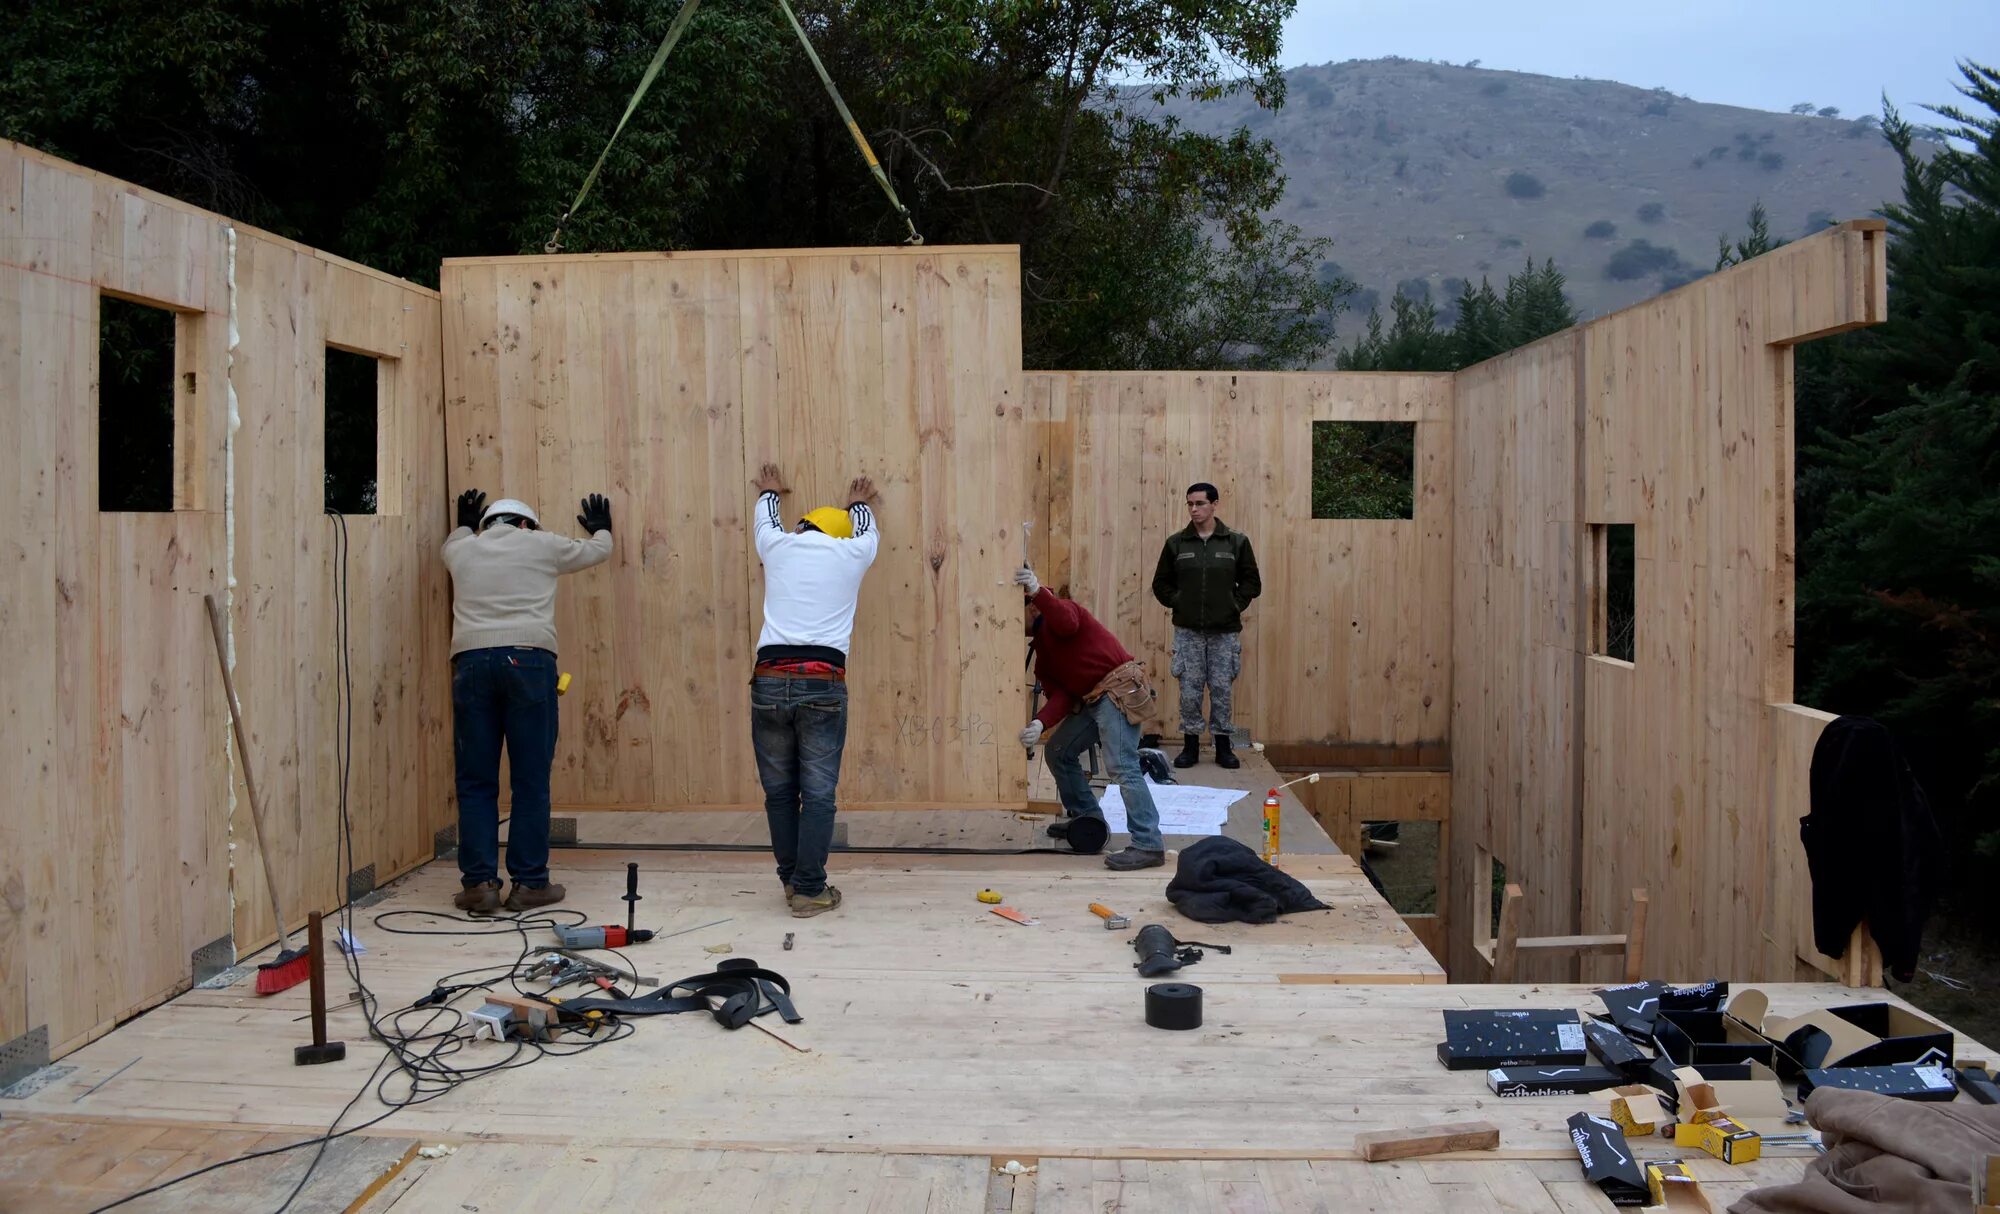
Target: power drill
{"x":609,"y":935}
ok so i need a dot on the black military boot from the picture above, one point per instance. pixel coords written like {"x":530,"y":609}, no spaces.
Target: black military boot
{"x":1190,"y":750}
{"x":1225,"y":757}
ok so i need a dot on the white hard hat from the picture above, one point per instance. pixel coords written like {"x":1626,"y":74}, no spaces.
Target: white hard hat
{"x":508,"y":505}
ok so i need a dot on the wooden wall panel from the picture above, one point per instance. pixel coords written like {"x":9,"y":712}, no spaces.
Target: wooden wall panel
{"x":1349,"y":644}
{"x":665,"y":381}
{"x":1682,"y":771}
{"x":115,"y":861}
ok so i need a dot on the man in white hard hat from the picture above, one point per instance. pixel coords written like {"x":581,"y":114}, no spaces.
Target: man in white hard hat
{"x":503,"y":686}
{"x":798,"y":690}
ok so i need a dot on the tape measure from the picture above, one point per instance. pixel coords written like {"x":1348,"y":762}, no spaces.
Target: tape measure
{"x":562,"y":683}
{"x":990,"y":896}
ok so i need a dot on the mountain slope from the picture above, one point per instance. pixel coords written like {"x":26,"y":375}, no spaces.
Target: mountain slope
{"x":1426,"y":173}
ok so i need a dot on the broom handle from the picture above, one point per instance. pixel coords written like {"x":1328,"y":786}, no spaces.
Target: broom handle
{"x":243,"y":748}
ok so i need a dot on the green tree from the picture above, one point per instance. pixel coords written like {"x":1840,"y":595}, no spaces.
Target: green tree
{"x":1899,"y":597}
{"x":400,"y":134}
{"x":1413,"y":341}
{"x":1759,"y":241}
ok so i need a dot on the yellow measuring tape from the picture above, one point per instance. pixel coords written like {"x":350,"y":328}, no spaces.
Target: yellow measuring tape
{"x":673,"y":36}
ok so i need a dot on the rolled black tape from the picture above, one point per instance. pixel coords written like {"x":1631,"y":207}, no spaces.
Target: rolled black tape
{"x":1087,"y":834}
{"x":1173,"y":1005}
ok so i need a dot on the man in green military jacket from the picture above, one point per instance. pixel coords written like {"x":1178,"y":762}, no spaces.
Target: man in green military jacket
{"x":1207,"y":575}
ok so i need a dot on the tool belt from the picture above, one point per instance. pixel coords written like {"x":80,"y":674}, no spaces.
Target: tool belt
{"x":1129,"y":689}
{"x":744,"y":988}
{"x":797,"y":669}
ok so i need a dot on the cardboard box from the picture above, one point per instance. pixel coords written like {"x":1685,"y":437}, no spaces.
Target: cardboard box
{"x":1696,"y":1038}
{"x":1615,"y":1050}
{"x":1607,"y":1161}
{"x":1638,"y":1110}
{"x":1662,"y":1075}
{"x":1727,"y":1140}
{"x":1482,"y":1040}
{"x":1862,"y":1034}
{"x":1755,"y":1101}
{"x":1902,"y":1080}
{"x":1673,"y":1187}
{"x":1635,"y":1005}
{"x":1550,"y":1080}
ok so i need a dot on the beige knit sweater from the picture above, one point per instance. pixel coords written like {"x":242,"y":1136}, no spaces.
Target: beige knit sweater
{"x":503,"y":583}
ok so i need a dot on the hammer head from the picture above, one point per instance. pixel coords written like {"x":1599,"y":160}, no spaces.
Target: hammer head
{"x":1115,"y":922}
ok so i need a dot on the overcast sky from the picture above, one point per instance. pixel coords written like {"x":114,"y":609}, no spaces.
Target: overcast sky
{"x":1767,"y":55}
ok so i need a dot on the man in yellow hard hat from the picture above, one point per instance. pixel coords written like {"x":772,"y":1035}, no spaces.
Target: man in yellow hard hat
{"x":798,"y":691}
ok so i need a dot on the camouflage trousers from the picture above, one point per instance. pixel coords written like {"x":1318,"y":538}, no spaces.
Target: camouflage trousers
{"x":1207,"y":661}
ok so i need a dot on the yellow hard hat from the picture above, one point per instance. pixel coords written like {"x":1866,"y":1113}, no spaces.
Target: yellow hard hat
{"x":833,"y":522}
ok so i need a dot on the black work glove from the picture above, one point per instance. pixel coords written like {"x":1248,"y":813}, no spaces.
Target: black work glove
{"x":596,"y":514}
{"x":471,"y":504}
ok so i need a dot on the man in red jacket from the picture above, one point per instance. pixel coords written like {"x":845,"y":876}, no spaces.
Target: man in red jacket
{"x":1096,"y":691}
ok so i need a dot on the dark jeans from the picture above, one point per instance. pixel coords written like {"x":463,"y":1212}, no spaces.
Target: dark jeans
{"x":1094,"y":722}
{"x":503,"y":695}
{"x":798,"y":727}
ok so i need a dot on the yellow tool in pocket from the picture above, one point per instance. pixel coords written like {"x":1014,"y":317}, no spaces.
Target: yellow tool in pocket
{"x":562,"y":682}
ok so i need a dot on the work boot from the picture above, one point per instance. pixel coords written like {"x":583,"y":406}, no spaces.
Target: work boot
{"x":788,"y":893}
{"x":1190,"y":750}
{"x":1225,"y":757}
{"x":804,"y":907}
{"x":1132,"y":857}
{"x":1059,"y":829}
{"x":481,"y":899}
{"x":526,"y":898}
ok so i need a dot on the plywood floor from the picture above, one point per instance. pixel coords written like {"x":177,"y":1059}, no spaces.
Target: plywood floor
{"x":969,"y":828}
{"x":938,"y":1036}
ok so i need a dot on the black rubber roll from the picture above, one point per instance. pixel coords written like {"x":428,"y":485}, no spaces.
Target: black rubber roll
{"x":1087,"y":834}
{"x":1173,"y":1005}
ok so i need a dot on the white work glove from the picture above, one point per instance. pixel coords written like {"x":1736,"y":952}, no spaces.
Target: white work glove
{"x":1033,"y":733}
{"x":1024,"y":577}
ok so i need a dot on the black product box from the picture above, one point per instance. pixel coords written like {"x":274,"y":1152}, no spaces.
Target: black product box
{"x":1660,"y":1077}
{"x":1904,"y":1036}
{"x":1615,"y":1050}
{"x":1979,"y":1085}
{"x":1607,"y":1161}
{"x":1635,"y":1005}
{"x":1482,"y":1040}
{"x":1703,"y":1038}
{"x":1550,"y":1080}
{"x":1904,"y":1080}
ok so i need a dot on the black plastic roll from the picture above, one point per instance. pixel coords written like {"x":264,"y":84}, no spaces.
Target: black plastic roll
{"x":1173,"y":1005}
{"x":1087,"y":834}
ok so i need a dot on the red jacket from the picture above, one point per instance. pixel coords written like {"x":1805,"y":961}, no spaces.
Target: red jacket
{"x":1073,"y":653}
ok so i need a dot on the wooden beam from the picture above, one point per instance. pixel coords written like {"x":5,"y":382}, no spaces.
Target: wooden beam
{"x":1378,"y":1145}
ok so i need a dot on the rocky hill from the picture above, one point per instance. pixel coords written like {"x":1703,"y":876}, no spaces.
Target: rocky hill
{"x":1425,"y":174}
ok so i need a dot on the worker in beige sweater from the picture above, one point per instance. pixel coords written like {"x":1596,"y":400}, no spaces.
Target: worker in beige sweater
{"x":503,"y":686}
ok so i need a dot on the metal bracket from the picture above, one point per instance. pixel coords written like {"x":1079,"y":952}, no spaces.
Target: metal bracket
{"x":24,"y":1055}
{"x":445,"y":844}
{"x":360,"y":882}
{"x":213,"y":958}
{"x":562,"y":830}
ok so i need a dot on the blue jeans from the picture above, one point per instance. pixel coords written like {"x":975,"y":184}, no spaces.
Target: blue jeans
{"x":503,"y":695}
{"x":798,"y":727}
{"x":1103,"y":722}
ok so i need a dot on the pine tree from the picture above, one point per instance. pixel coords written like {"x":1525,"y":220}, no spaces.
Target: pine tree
{"x":1478,"y":334}
{"x":1413,"y":342}
{"x":1759,"y":240}
{"x":1899,"y":601}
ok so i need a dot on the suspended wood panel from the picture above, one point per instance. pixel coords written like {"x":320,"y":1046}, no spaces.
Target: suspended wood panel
{"x":665,"y":381}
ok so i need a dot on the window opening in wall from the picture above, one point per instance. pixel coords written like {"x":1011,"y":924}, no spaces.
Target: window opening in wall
{"x":1614,"y":586}
{"x":1402,"y":858}
{"x":135,"y":406}
{"x":352,"y":410}
{"x":1364,"y":470}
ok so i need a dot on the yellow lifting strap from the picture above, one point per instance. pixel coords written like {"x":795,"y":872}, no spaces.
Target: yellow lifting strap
{"x":673,"y":36}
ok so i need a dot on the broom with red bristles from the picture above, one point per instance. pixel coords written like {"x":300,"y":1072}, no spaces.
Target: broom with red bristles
{"x":292,"y":965}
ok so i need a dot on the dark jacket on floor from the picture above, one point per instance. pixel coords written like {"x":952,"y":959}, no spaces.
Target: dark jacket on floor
{"x":1886,"y":1156}
{"x":1872,"y":846}
{"x":1222,"y":881}
{"x":1207,"y":582}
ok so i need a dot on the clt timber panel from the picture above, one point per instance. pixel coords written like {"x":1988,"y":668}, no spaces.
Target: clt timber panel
{"x":665,"y":381}
{"x":116,"y":831}
{"x":1349,"y":645}
{"x":1682,"y":771}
